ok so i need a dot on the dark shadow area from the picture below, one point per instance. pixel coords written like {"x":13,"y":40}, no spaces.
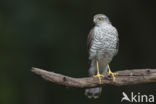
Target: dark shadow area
{"x":52,"y":34}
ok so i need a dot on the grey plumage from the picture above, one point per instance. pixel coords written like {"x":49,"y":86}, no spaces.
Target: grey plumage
{"x":102,"y":47}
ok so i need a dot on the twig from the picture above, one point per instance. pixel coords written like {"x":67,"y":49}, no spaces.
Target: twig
{"x":125,"y":77}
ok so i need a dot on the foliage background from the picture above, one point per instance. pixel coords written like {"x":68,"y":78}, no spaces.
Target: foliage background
{"x":51,"y":34}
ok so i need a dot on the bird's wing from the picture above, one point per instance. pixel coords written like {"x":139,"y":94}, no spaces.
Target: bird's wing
{"x":117,"y":45}
{"x":89,"y":42}
{"x":90,"y":38}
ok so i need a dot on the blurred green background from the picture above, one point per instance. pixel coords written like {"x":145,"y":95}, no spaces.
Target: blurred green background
{"x":52,"y":34}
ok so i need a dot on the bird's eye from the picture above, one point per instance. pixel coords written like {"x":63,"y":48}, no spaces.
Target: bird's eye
{"x":100,"y":18}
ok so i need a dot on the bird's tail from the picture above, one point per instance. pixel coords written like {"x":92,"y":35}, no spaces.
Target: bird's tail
{"x":93,"y":92}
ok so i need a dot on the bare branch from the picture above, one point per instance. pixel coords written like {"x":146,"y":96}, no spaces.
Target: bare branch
{"x":125,"y":77}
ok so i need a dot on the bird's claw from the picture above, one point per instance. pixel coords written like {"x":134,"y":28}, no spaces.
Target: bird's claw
{"x":99,"y":76}
{"x":112,"y":74}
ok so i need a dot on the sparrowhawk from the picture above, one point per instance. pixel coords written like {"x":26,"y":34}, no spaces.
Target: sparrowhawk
{"x":102,"y":46}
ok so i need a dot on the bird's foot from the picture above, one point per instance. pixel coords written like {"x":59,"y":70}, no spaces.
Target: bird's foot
{"x":112,"y":74}
{"x":99,"y":76}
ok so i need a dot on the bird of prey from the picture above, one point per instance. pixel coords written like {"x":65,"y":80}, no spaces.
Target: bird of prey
{"x":102,"y":46}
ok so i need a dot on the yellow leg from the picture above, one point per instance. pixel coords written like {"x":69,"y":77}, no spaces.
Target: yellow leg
{"x":98,"y":72}
{"x":110,"y":73}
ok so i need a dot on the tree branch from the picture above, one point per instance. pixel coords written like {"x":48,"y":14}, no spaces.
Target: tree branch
{"x":125,"y":77}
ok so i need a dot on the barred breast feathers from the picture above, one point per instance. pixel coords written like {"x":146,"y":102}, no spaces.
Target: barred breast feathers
{"x":106,"y":36}
{"x":103,"y":38}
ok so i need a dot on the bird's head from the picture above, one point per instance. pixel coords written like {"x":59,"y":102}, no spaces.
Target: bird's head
{"x":100,"y":18}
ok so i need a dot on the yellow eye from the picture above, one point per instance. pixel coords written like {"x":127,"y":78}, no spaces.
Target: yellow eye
{"x":100,"y":18}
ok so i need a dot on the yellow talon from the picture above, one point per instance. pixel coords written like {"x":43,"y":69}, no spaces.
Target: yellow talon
{"x":98,"y":73}
{"x":111,"y":73}
{"x":99,"y":76}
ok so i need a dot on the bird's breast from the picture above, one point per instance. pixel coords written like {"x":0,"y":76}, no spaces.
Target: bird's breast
{"x":104,"y":39}
{"x":104,"y":42}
